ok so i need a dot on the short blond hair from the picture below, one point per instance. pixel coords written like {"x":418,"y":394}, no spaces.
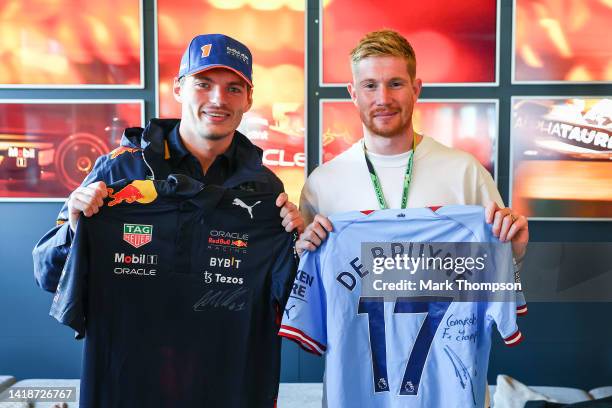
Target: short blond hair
{"x":385,"y":43}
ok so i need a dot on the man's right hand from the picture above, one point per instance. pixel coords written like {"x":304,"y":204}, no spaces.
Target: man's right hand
{"x":314,"y":234}
{"x":86,"y":200}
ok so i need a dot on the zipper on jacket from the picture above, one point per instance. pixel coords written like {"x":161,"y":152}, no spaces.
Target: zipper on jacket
{"x":152,"y":176}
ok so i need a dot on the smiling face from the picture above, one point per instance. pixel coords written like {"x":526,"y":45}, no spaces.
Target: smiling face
{"x":385,"y":94}
{"x":213,"y":102}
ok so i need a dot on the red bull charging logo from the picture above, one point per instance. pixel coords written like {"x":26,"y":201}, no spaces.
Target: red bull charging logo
{"x":226,"y":241}
{"x":239,"y":243}
{"x":138,"y":191}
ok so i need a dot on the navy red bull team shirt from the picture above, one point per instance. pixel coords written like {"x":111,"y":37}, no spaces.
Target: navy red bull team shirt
{"x":175,"y":288}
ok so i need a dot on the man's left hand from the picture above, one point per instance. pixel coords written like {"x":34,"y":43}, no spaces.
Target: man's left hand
{"x":292,"y":219}
{"x":509,"y":226}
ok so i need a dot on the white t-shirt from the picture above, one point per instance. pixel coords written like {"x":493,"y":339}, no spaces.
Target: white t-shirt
{"x":440,"y":176}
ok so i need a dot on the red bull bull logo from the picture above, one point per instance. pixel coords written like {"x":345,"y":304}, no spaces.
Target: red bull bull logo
{"x":138,"y":191}
{"x":123,"y":149}
{"x":228,"y":242}
{"x":239,"y":243}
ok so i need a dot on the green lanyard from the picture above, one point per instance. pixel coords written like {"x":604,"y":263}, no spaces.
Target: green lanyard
{"x":376,"y":182}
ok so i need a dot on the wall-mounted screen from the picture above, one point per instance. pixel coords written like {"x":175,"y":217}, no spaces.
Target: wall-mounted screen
{"x":48,"y":147}
{"x":71,"y":43}
{"x":565,"y":41}
{"x":454,"y":41}
{"x":561,"y":165}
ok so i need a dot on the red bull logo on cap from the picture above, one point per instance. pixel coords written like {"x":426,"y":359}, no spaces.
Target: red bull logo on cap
{"x":138,"y":191}
{"x":123,"y":149}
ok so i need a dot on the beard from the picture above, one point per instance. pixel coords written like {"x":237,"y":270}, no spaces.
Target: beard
{"x":385,"y":131}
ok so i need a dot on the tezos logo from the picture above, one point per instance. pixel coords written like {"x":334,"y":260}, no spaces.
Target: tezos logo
{"x":219,"y":278}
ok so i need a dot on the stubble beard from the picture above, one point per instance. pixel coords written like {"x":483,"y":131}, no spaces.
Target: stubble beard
{"x":387,"y":132}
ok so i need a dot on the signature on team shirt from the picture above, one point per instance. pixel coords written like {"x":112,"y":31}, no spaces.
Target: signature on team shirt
{"x":233,"y":300}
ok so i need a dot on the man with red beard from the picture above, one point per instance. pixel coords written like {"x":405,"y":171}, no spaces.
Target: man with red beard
{"x":393,"y":166}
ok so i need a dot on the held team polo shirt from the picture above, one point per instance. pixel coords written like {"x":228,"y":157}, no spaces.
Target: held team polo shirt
{"x":409,"y":352}
{"x":176,"y":289}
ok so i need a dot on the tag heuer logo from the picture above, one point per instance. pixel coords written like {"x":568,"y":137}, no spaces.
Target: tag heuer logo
{"x":137,"y":235}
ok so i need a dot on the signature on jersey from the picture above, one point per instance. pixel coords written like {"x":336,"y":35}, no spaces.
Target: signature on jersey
{"x":233,"y":300}
{"x":461,"y":371}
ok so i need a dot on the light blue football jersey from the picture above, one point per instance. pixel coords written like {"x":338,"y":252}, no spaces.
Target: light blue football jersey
{"x":401,"y":353}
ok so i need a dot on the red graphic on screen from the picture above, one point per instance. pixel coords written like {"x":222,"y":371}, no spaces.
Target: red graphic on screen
{"x":454,"y":41}
{"x":46,"y":149}
{"x":563,"y":42}
{"x":70,"y":42}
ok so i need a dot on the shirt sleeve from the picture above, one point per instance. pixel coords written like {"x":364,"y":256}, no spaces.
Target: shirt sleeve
{"x":504,"y":313}
{"x":69,"y":303}
{"x":309,"y":206}
{"x":304,"y":318}
{"x":49,"y":256}
{"x":51,"y":251}
{"x":283,"y":272}
{"x":487,"y":190}
{"x":521,"y":302}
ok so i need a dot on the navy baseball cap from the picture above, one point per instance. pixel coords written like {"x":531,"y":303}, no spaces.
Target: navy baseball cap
{"x":217,"y":50}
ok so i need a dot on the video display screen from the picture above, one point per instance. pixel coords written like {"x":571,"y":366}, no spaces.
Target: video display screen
{"x":562,"y":41}
{"x":71,"y":43}
{"x":453,"y":42}
{"x":47,"y":148}
{"x":562,"y":157}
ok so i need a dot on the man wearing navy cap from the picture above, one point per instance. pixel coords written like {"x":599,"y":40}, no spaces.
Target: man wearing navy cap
{"x":215,"y":88}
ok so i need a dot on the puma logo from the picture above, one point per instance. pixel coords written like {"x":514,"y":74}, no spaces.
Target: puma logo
{"x":287,"y":311}
{"x":242,"y":204}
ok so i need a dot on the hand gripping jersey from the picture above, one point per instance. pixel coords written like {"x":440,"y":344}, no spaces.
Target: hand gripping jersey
{"x":401,"y":353}
{"x":177,"y":289}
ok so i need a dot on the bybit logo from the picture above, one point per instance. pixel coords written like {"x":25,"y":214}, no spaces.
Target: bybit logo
{"x":225,"y":262}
